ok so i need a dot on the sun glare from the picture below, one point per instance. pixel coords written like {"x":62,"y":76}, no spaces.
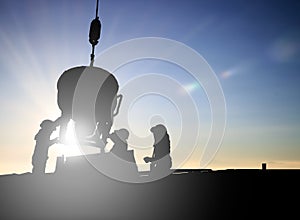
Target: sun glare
{"x":71,"y":147}
{"x":70,"y":134}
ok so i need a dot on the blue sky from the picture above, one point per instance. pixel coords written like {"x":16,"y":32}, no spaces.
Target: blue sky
{"x":252,"y":46}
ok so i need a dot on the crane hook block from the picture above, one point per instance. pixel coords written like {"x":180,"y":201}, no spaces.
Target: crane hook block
{"x":95,"y":29}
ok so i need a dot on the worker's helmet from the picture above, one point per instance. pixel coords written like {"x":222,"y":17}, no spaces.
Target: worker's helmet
{"x":122,"y":133}
{"x":159,"y":129}
{"x":159,"y":132}
{"x":47,"y":124}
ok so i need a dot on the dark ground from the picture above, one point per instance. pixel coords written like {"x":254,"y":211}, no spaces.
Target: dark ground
{"x":227,"y":194}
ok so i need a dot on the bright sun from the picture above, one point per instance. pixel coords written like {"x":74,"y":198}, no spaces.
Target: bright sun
{"x":71,"y":147}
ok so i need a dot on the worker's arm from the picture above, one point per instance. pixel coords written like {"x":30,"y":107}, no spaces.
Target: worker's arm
{"x":54,"y":141}
{"x":151,"y":159}
{"x":148,"y":159}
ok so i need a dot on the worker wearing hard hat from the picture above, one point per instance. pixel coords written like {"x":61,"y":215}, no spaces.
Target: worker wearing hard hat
{"x":161,"y":161}
{"x":43,"y":142}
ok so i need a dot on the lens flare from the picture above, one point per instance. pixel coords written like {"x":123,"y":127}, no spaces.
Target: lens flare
{"x":228,"y":73}
{"x":191,"y":87}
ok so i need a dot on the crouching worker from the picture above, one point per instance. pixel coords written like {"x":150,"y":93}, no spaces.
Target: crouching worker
{"x":161,"y":161}
{"x":124,"y":163}
{"x":43,"y":142}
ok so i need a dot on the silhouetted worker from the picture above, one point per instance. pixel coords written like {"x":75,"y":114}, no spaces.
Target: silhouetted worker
{"x":161,"y":161}
{"x":43,"y":142}
{"x":120,"y":147}
{"x":124,"y":158}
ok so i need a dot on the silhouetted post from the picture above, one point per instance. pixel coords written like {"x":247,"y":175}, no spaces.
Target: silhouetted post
{"x":264,"y":166}
{"x":60,"y":161}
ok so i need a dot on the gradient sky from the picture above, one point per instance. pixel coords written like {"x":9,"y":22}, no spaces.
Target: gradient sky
{"x":252,"y":46}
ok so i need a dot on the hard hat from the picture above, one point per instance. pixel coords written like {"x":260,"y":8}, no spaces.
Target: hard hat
{"x":161,"y":129}
{"x":47,"y":123}
{"x":122,"y":133}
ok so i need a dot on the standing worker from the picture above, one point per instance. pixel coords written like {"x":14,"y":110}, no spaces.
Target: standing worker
{"x":43,"y":142}
{"x":161,"y":161}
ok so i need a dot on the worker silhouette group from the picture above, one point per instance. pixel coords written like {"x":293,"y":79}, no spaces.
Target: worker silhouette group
{"x":160,"y":161}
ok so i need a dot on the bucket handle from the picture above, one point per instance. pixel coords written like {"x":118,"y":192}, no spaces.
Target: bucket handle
{"x":119,"y":100}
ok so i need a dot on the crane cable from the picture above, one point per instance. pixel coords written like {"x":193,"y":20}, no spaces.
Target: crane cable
{"x":94,"y":34}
